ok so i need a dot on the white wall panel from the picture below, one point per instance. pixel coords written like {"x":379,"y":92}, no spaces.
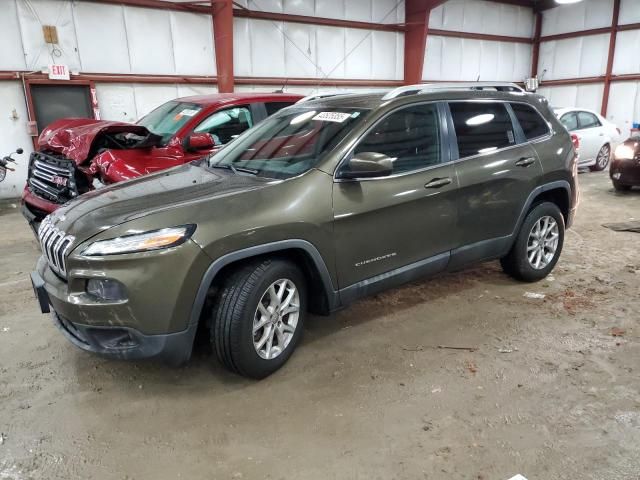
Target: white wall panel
{"x":190,"y":90}
{"x":11,"y":53}
{"x":150,"y":42}
{"x":117,"y":102}
{"x":280,"y":49}
{"x":300,"y":50}
{"x":479,"y":16}
{"x":13,"y":134}
{"x":242,"y":52}
{"x":574,"y":57}
{"x":148,"y":97}
{"x":627,"y":59}
{"x":629,"y":12}
{"x":193,"y":48}
{"x":38,"y":54}
{"x":102,"y":38}
{"x":377,"y":11}
{"x":585,"y":15}
{"x":464,"y":59}
{"x":331,"y":40}
{"x":584,"y":96}
{"x":624,"y":105}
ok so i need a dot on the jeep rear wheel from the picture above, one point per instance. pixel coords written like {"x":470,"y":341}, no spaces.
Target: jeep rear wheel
{"x":258,"y":317}
{"x":538,"y":244}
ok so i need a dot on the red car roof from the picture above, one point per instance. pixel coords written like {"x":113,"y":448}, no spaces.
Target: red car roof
{"x":219,"y":99}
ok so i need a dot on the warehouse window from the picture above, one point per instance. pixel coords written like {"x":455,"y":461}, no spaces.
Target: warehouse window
{"x":533,"y":125}
{"x":481,"y":127}
{"x":410,"y":137}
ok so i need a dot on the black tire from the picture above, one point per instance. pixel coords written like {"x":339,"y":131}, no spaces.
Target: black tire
{"x":232,"y":336}
{"x":602,"y":159}
{"x":516,"y":262}
{"x":620,"y":187}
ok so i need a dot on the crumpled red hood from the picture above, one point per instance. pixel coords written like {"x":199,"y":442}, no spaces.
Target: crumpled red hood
{"x":73,"y":137}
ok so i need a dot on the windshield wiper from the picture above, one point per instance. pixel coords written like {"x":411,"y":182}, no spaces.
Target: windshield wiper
{"x":234,"y":169}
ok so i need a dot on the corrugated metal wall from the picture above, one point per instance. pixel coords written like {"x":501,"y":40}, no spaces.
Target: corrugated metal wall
{"x":116,"y":39}
{"x":449,"y":58}
{"x":587,"y":57}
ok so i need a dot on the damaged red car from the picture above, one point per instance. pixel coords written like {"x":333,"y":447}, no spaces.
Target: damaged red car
{"x":76,"y":155}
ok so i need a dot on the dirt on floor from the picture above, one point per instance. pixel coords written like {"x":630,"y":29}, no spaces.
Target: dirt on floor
{"x":548,"y":384}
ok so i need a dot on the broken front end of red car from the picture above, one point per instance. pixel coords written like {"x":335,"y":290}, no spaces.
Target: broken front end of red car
{"x":62,"y":167}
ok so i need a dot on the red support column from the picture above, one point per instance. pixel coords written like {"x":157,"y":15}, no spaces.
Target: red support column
{"x":612,"y":54}
{"x":415,"y":37}
{"x":222,"y":13}
{"x":535,"y":55}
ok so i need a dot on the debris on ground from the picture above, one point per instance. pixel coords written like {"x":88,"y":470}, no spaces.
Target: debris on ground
{"x":469,"y":349}
{"x":624,"y":226}
{"x":533,"y":295}
{"x":507,"y":350}
{"x":2,"y":438}
{"x":436,"y":390}
{"x":617,"y":332}
{"x":471,"y":366}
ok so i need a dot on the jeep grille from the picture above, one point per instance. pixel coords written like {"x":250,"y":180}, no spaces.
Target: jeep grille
{"x":55,"y":245}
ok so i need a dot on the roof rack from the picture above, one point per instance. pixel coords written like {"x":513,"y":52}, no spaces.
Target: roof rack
{"x":333,"y":93}
{"x":432,"y":87}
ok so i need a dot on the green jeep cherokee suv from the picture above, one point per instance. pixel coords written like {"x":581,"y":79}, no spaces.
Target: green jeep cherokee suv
{"x":323,"y":203}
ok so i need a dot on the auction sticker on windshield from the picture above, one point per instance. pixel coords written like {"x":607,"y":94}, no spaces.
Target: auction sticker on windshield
{"x":332,"y":117}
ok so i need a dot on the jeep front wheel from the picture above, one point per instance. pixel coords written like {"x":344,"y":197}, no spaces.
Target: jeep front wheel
{"x":258,"y":317}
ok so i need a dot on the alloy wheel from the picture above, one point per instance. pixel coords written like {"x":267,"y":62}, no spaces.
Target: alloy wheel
{"x":276,"y":318}
{"x":543,"y":242}
{"x":603,"y":157}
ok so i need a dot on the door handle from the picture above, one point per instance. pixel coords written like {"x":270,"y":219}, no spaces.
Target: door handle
{"x":525,"y":162}
{"x":438,"y":182}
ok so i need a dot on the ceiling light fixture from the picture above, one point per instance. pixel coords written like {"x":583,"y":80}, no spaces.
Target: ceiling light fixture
{"x":565,"y":2}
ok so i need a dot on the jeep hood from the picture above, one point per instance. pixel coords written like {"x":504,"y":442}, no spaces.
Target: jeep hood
{"x":75,"y":138}
{"x":179,"y":187}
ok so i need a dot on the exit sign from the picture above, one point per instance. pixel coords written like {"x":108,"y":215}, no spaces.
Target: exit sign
{"x":59,"y":72}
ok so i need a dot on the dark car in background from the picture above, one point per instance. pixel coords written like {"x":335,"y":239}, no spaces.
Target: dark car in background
{"x":76,"y":155}
{"x":625,"y":166}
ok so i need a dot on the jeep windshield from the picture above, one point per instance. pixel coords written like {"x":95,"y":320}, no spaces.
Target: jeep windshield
{"x":168,"y":118}
{"x":289,"y":143}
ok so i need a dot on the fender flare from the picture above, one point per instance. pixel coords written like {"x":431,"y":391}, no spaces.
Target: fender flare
{"x":563,"y":184}
{"x":273,"y":247}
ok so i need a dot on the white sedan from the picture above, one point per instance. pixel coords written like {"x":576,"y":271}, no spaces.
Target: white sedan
{"x":596,"y":136}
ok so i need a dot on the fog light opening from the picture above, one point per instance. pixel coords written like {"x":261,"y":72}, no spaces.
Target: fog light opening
{"x":106,"y":289}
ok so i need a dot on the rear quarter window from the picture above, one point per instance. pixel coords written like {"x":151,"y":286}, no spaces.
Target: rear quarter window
{"x":481,"y":127}
{"x":531,"y":122}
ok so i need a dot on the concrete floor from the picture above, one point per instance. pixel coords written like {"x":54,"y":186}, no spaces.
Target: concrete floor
{"x":549,"y":393}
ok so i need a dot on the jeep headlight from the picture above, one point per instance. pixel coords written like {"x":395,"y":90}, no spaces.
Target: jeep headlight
{"x":141,"y":242}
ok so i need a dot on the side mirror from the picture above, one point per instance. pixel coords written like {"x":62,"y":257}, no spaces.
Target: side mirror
{"x":367,"y":165}
{"x":19,"y":151}
{"x":199,"y":141}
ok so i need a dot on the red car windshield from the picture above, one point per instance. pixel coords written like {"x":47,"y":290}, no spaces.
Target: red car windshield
{"x":168,"y":118}
{"x":289,"y":143}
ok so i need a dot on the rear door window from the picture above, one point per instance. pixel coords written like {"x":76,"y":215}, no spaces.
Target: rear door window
{"x":570,"y":121}
{"x":481,"y":127}
{"x":588,"y":120}
{"x":532,"y":124}
{"x":225,"y":125}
